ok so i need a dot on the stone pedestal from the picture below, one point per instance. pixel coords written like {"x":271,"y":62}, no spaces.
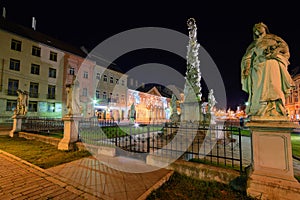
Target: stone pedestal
{"x":190,"y":112}
{"x":70,"y":132}
{"x":271,"y":174}
{"x":17,"y":125}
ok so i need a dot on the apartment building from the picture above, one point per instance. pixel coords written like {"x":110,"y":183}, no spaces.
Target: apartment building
{"x":30,"y":61}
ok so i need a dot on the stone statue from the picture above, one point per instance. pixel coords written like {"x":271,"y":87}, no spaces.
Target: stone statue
{"x":132,"y":113}
{"x":211,"y":100}
{"x":264,"y":74}
{"x":73,"y":101}
{"x":174,"y":115}
{"x":22,"y":102}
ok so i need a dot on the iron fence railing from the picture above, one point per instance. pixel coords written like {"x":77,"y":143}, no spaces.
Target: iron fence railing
{"x":217,"y":144}
{"x":42,"y":124}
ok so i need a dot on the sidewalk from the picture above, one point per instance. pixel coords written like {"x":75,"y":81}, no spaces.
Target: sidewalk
{"x":87,"y":178}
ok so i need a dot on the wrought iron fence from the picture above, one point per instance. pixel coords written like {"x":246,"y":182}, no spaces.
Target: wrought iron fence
{"x":42,"y":124}
{"x":217,"y":144}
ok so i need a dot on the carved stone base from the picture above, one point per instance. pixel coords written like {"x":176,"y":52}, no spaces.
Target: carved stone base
{"x":17,"y":125}
{"x":272,"y":175}
{"x":66,"y":145}
{"x":70,"y":133}
{"x":272,"y":188}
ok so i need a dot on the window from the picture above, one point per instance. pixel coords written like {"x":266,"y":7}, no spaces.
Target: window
{"x":85,"y":75}
{"x":98,"y":76}
{"x":32,"y":107}
{"x":122,"y":98}
{"x":14,"y":64}
{"x":34,"y":90}
{"x":36,"y":51}
{"x":105,"y":78}
{"x":35,"y":69}
{"x":97,"y":94}
{"x":13,"y":85}
{"x":52,"y":73}
{"x":104,"y":95}
{"x":16,"y":45}
{"x":117,"y":81}
{"x":123,"y":82}
{"x":84,"y":92}
{"x":71,"y":71}
{"x":53,"y":56}
{"x":111,"y":80}
{"x":51,"y":107}
{"x":11,"y":105}
{"x":51,"y":92}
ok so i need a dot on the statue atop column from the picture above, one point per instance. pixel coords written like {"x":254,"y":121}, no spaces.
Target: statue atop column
{"x":190,"y":108}
{"x":264,"y":74}
{"x":192,"y":88}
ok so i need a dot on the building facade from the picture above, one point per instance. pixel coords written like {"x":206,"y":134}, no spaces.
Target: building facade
{"x":44,"y":66}
{"x":34,"y":67}
{"x":150,"y":106}
{"x":292,"y":102}
{"x":76,"y":67}
{"x":110,"y":97}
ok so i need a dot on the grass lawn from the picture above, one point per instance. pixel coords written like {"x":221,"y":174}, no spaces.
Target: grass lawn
{"x":183,"y":187}
{"x":295,"y":137}
{"x":39,"y":153}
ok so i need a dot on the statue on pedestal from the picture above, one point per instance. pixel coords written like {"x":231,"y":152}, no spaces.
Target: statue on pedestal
{"x":264,"y":74}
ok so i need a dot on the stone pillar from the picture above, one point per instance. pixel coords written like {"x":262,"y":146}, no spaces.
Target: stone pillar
{"x":17,"y":125}
{"x":70,"y":132}
{"x":271,"y":174}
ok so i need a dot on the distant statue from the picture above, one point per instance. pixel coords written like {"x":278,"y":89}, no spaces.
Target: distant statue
{"x":211,"y":100}
{"x":264,"y":74}
{"x":132,"y":113}
{"x":22,"y":102}
{"x":174,"y":115}
{"x":211,"y":104}
{"x":73,"y":101}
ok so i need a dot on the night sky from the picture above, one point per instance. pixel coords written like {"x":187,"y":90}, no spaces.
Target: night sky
{"x":224,"y":30}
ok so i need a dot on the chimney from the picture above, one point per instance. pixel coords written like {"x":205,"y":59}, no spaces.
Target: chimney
{"x":33,"y":23}
{"x":4,"y":12}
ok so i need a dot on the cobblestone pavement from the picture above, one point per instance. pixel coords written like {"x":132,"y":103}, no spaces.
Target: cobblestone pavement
{"x":87,"y":178}
{"x":21,"y":181}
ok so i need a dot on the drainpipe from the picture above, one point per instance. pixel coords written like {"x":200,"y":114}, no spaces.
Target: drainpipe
{"x":2,"y":71}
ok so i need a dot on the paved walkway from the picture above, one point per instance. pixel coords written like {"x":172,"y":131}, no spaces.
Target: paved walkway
{"x":19,"y":180}
{"x":87,"y":178}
